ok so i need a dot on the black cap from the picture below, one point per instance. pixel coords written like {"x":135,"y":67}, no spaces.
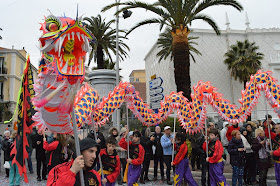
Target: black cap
{"x":88,"y":143}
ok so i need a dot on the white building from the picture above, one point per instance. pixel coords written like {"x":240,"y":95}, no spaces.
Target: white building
{"x":210,"y":66}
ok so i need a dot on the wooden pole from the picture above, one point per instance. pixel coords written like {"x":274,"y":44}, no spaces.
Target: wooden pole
{"x":127,"y":124}
{"x":174,"y":130}
{"x":206,"y":136}
{"x":99,"y":157}
{"x":77,"y":143}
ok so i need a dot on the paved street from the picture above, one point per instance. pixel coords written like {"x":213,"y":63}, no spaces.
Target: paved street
{"x":196,"y":174}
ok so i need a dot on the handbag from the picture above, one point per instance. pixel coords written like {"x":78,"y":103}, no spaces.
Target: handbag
{"x":7,"y":165}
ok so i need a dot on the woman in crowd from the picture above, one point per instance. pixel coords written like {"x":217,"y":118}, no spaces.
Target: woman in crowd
{"x":237,"y":157}
{"x":146,"y":141}
{"x":57,"y":151}
{"x":261,"y":149}
{"x":250,"y":165}
{"x":14,"y":177}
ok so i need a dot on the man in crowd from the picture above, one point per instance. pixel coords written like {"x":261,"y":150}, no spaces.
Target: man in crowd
{"x":167,"y":141}
{"x":231,"y":128}
{"x":224,"y":139}
{"x":100,"y":137}
{"x":40,"y":156}
{"x":68,"y":173}
{"x":195,"y":150}
{"x":158,"y":156}
{"x":6,"y":143}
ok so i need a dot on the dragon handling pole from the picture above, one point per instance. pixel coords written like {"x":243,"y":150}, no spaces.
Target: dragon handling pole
{"x":77,"y":143}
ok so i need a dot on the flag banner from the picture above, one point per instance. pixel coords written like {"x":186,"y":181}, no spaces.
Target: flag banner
{"x":24,"y":121}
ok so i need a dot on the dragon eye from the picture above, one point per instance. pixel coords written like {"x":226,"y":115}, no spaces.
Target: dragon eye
{"x":51,"y":27}
{"x":53,"y":23}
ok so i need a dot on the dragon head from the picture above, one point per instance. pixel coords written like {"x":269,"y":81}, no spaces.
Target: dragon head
{"x":64,"y":45}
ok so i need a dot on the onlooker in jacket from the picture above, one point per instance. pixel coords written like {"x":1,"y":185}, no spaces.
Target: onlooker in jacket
{"x":147,"y":141}
{"x":250,"y":165}
{"x":260,"y":148}
{"x":195,"y":150}
{"x":30,"y":150}
{"x":224,"y":139}
{"x":40,"y":156}
{"x":204,"y":164}
{"x":231,"y":128}
{"x":100,"y":137}
{"x":158,"y":156}
{"x":237,"y":157}
{"x":57,"y":151}
{"x":6,"y":143}
{"x":166,"y":142}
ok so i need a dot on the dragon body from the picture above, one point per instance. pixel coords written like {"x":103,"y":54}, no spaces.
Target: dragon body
{"x":190,"y":114}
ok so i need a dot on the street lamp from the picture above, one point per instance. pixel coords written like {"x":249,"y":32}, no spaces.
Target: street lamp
{"x":126,"y":14}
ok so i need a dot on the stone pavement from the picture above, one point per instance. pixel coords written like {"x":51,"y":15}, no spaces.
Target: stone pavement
{"x":196,"y":174}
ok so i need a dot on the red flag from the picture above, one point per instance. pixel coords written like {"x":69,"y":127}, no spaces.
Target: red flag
{"x":24,"y":122}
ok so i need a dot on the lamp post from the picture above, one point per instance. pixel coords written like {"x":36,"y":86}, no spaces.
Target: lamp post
{"x":117,"y":63}
{"x":126,"y":14}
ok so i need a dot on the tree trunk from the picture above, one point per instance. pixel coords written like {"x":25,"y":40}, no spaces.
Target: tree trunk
{"x":182,"y":62}
{"x":100,"y":57}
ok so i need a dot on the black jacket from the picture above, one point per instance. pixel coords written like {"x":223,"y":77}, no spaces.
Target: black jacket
{"x":99,"y":136}
{"x":237,"y":158}
{"x":6,"y":147}
{"x":262,"y":163}
{"x":147,"y":144}
{"x":194,"y":140}
{"x":157,"y":144}
{"x":40,"y":151}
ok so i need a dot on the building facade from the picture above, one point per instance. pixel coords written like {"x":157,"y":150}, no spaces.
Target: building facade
{"x":138,"y":79}
{"x":12,"y":63}
{"x":138,"y":76}
{"x":210,"y":66}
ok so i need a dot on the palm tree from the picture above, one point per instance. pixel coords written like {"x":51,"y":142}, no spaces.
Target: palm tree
{"x":178,"y":15}
{"x":165,"y":44}
{"x":105,"y":40}
{"x":107,"y":65}
{"x":243,"y":60}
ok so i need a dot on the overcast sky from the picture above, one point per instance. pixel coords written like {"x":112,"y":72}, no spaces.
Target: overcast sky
{"x":20,"y":20}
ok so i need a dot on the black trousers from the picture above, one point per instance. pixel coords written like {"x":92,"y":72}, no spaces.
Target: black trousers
{"x":204,"y":170}
{"x":145,"y":168}
{"x":41,"y":160}
{"x":195,"y":158}
{"x":263,"y":177}
{"x":250,"y":168}
{"x":167,"y":160}
{"x":160,"y":160}
{"x":7,"y":172}
{"x":123,"y":166}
